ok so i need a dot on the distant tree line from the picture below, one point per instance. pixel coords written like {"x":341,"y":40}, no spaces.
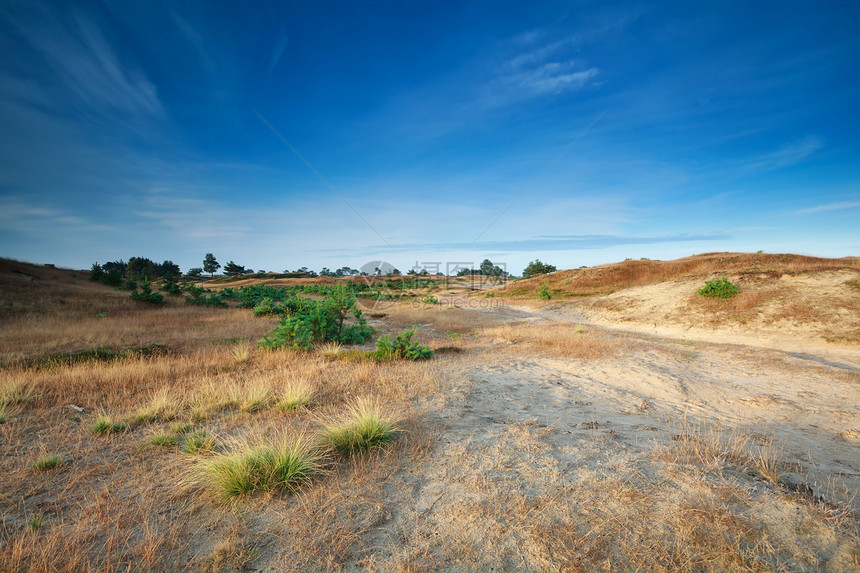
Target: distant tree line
{"x":487,"y":268}
{"x":136,"y":269}
{"x":114,"y":273}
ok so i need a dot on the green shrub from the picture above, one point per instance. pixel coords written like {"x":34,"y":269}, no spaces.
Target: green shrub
{"x":401,"y":347}
{"x":170,"y":286}
{"x":96,"y":272}
{"x":430,"y":299}
{"x":145,"y":293}
{"x":267,"y":307}
{"x":312,"y":322}
{"x":544,"y":293}
{"x":537,"y":268}
{"x":195,"y":295}
{"x":719,"y":288}
{"x":111,"y":278}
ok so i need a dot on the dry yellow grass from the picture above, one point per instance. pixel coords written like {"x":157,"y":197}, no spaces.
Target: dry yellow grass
{"x":563,"y":340}
{"x":116,"y":504}
{"x":511,"y":500}
{"x":613,"y":277}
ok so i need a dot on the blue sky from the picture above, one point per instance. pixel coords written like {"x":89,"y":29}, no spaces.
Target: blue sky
{"x":330,"y":134}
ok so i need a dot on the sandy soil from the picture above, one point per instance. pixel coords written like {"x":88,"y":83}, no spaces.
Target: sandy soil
{"x":798,"y":312}
{"x":524,"y":425}
{"x":643,"y":430}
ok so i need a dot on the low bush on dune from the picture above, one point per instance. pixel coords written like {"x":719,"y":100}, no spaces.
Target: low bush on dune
{"x":313,"y":322}
{"x":401,"y":347}
{"x":719,"y":288}
{"x":145,"y":293}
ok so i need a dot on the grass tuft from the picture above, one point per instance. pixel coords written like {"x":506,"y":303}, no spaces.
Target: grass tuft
{"x":199,"y":443}
{"x":362,"y":428}
{"x":163,"y":441}
{"x":260,"y":468}
{"x":296,"y":395}
{"x":106,"y":425}
{"x":48,"y":462}
{"x":161,"y":407}
{"x":36,"y":522}
{"x":180,"y":428}
{"x":15,"y":392}
{"x":255,"y":396}
{"x":331,"y":349}
{"x":242,"y":352}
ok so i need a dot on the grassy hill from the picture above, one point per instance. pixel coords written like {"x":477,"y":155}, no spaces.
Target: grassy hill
{"x":608,"y":278}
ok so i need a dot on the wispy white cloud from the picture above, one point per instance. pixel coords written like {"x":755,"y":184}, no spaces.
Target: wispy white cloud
{"x":86,"y":64}
{"x":787,"y":155}
{"x":23,"y":216}
{"x":840,"y":206}
{"x":195,"y":39}
{"x":535,"y":56}
{"x":539,"y":68}
{"x":552,"y":78}
{"x":280,"y":46}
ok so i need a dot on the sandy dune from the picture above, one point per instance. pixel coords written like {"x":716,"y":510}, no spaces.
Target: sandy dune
{"x":529,"y":438}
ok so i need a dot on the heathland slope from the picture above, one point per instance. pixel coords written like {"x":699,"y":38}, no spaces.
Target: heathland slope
{"x":535,"y":439}
{"x":782,"y":297}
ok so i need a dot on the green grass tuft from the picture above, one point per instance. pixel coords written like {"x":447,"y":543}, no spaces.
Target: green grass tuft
{"x":296,"y":395}
{"x":260,"y":468}
{"x":163,"y":441}
{"x":181,"y":428}
{"x":255,"y":397}
{"x":15,"y":393}
{"x":363,"y":428}
{"x":161,"y":407}
{"x":199,"y":443}
{"x":48,"y":462}
{"x":36,"y":522}
{"x":106,"y":425}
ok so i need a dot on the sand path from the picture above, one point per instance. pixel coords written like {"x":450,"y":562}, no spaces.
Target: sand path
{"x":531,"y":424}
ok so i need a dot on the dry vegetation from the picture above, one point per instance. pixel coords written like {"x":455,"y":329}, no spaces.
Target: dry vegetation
{"x":210,"y":455}
{"x":807,"y":298}
{"x":608,"y":278}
